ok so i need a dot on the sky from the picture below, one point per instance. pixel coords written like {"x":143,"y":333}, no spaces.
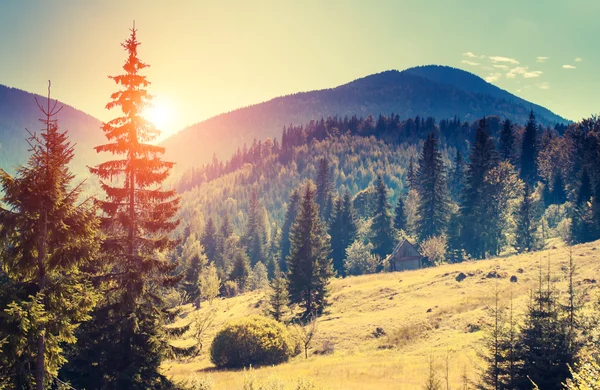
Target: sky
{"x":210,"y":57}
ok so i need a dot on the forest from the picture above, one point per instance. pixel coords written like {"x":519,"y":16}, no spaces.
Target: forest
{"x":89,"y":285}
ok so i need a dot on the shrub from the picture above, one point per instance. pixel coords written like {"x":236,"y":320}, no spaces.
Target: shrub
{"x":230,"y":289}
{"x":255,"y":340}
{"x":201,"y":383}
{"x":434,"y":248}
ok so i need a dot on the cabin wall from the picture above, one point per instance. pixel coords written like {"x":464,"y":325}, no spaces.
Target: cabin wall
{"x":407,"y":264}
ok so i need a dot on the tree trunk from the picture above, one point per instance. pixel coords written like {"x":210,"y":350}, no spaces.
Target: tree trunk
{"x":41,"y":343}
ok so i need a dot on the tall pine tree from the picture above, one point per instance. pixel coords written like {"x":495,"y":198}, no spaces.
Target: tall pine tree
{"x":433,"y":209}
{"x":383,"y":232}
{"x":400,"y":215}
{"x":124,"y":347}
{"x":342,"y":231}
{"x":210,"y":239}
{"x":506,"y":144}
{"x":290,"y":218}
{"x":526,"y":239}
{"x":474,"y":204}
{"x":309,"y":264}
{"x":457,"y":177}
{"x":254,"y":238}
{"x":529,"y":152}
{"x":49,"y":240}
{"x":324,"y":189}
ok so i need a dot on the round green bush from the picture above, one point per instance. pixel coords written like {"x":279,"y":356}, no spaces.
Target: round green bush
{"x":254,"y":340}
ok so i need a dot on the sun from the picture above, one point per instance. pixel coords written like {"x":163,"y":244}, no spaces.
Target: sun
{"x":160,"y":113}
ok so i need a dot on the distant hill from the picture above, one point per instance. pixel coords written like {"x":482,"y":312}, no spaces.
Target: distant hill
{"x":437,"y":91}
{"x":19,"y":111}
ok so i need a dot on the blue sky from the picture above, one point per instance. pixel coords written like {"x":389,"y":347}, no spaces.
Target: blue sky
{"x":212,"y":57}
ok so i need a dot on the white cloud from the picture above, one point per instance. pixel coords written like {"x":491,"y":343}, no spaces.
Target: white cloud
{"x":470,"y":62}
{"x":578,"y":59}
{"x":496,"y":59}
{"x":470,"y":55}
{"x":543,"y":85}
{"x":568,"y":67}
{"x":501,"y":66}
{"x":523,"y":71}
{"x":541,"y":59}
{"x":532,"y":74}
{"x":493,"y":77}
{"x":516,"y":71}
{"x":518,"y":90}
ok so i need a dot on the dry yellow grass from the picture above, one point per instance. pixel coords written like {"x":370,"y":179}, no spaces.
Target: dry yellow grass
{"x":425,"y":312}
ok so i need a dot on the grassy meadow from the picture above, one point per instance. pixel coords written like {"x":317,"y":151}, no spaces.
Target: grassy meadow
{"x":422,"y":313}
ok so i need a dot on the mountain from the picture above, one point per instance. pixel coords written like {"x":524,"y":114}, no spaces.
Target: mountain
{"x":437,"y":91}
{"x":19,"y":111}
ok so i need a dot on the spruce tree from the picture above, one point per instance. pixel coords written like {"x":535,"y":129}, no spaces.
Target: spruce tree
{"x":210,"y":239}
{"x":506,"y":144}
{"x":458,"y":176}
{"x":474,"y":204}
{"x":278,"y":299}
{"x":123,"y":347}
{"x":432,"y":187}
{"x":529,"y":152}
{"x":323,"y":187}
{"x":309,"y":265}
{"x":559,"y":195}
{"x":49,"y":242}
{"x":454,"y":251}
{"x":290,"y":218}
{"x":240,"y":269}
{"x":411,"y":175}
{"x":254,"y":238}
{"x":383,"y":232}
{"x":526,"y":239}
{"x":400,"y":215}
{"x":342,"y":231}
{"x":544,"y":350}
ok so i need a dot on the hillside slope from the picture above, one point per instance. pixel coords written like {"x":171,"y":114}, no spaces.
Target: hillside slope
{"x":422,"y":312}
{"x":437,"y":91}
{"x":18,"y":111}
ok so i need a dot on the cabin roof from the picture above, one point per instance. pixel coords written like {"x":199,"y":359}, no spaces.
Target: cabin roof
{"x":403,"y":243}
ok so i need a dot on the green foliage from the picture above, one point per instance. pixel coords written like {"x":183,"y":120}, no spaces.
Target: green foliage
{"x":123,"y":347}
{"x":383,"y":238}
{"x":342,"y":230}
{"x":49,"y":241}
{"x":251,"y":341}
{"x":526,"y":238}
{"x":210,"y":284}
{"x":309,"y":265}
{"x":432,"y":186}
{"x":529,"y":152}
{"x":360,"y":260}
{"x":278,"y":298}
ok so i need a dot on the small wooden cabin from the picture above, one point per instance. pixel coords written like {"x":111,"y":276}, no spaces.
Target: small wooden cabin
{"x":405,"y":257}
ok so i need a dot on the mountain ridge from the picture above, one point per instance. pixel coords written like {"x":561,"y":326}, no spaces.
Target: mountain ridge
{"x":411,"y":92}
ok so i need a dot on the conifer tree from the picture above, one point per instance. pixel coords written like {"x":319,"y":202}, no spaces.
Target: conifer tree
{"x":254,"y":238}
{"x":383,"y":233}
{"x":506,"y":144}
{"x":209,"y":240}
{"x":474,"y":204}
{"x":454,"y":252}
{"x":342,"y":231}
{"x":49,"y":242}
{"x":432,"y":186}
{"x":309,"y":265}
{"x":411,"y":175}
{"x":290,"y":218}
{"x":526,"y":239}
{"x":195,"y":261}
{"x":278,"y":299}
{"x":226,"y":229}
{"x":400,"y":215}
{"x":458,"y":176}
{"x":124,"y":347}
{"x":529,"y":152}
{"x":323,"y":187}
{"x":544,"y":349}
{"x":559,"y":195}
{"x":240,"y":269}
